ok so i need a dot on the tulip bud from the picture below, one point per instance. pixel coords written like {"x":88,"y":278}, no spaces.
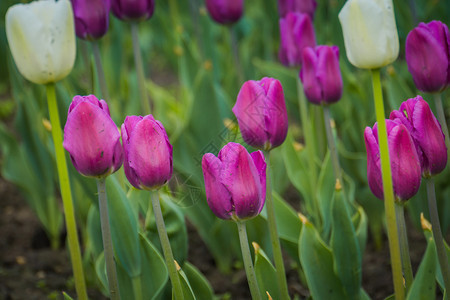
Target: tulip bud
{"x":41,"y":37}
{"x":300,"y":6}
{"x":321,"y":75}
{"x":148,"y":152}
{"x":296,"y":33}
{"x":261,"y":113}
{"x":225,"y":11}
{"x":405,"y":165}
{"x":416,"y":115}
{"x":91,"y":137}
{"x":235,"y":182}
{"x":91,"y":18}
{"x":428,"y":56}
{"x":370,"y":33}
{"x":133,"y":10}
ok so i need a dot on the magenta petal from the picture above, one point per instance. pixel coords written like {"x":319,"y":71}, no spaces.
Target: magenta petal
{"x":329,"y":73}
{"x":240,"y":176}
{"x":373,"y":163}
{"x":225,"y":11}
{"x":217,"y":196}
{"x":311,"y":84}
{"x":427,"y":60}
{"x":129,"y":173}
{"x":249,"y":110}
{"x":91,"y":137}
{"x":405,"y":165}
{"x":276,"y":119}
{"x":260,"y":164}
{"x":148,"y":154}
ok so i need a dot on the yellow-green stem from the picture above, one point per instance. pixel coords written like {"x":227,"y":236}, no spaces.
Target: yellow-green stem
{"x":437,"y":234}
{"x":66,"y":194}
{"x":276,"y":247}
{"x":111,"y":272}
{"x":137,"y":287}
{"x":442,"y":120}
{"x":248,"y":264}
{"x":145,"y":101}
{"x":100,"y":72}
{"x":388,"y":190}
{"x":404,"y":248}
{"x":310,"y":148}
{"x":165,"y":244}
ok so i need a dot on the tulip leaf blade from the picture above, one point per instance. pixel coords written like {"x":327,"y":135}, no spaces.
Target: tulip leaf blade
{"x":424,"y":284}
{"x":317,"y":262}
{"x":200,"y":286}
{"x":265,"y":273}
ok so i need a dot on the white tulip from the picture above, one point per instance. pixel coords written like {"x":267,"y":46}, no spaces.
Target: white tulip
{"x":370,"y":33}
{"x":41,"y":37}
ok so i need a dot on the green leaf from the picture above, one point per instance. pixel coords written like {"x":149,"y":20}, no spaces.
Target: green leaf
{"x":199,"y":284}
{"x":124,"y":229}
{"x":266,"y":274}
{"x":345,"y":247}
{"x":188,"y":292}
{"x":66,"y":297}
{"x":325,"y":190}
{"x":318,"y":265}
{"x":424,"y":284}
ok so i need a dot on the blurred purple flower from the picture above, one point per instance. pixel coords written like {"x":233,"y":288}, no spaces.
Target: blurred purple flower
{"x":296,"y":33}
{"x":235,"y":182}
{"x":321,"y":75}
{"x":428,"y":56}
{"x":261,"y":113}
{"x":416,"y":115}
{"x":91,"y":18}
{"x":148,"y":152}
{"x":225,"y":11}
{"x":91,"y":137}
{"x":301,"y":6}
{"x":405,"y":165}
{"x":133,"y":10}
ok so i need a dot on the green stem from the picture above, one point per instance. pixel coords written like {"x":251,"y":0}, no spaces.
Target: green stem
{"x":437,"y":234}
{"x":277,"y":254}
{"x":442,"y":120}
{"x":404,"y":248}
{"x":100,"y":72}
{"x":310,"y":148}
{"x":145,"y":101}
{"x":66,"y":195}
{"x":332,"y":146}
{"x":165,"y":244}
{"x":137,"y":287}
{"x":111,"y":272}
{"x":235,"y":52}
{"x":247,"y":257}
{"x":391,"y":221}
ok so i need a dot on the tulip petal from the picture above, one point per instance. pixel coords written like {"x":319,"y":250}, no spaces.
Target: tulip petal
{"x":329,"y":73}
{"x":275,"y":114}
{"x":148,"y":154}
{"x":240,"y":176}
{"x":405,"y":165}
{"x":373,"y":163}
{"x":217,"y":196}
{"x":311,"y":84}
{"x":250,"y":113}
{"x":91,"y":137}
{"x":260,"y":164}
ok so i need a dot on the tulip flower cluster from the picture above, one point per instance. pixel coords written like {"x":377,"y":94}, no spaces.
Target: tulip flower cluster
{"x":416,"y":148}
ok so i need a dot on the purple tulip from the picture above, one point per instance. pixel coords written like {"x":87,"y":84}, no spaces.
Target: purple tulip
{"x":261,"y":113}
{"x":225,"y":11}
{"x":235,"y":182}
{"x":428,"y":56}
{"x":321,"y":75}
{"x":133,"y":10}
{"x":91,"y":18}
{"x":405,"y":164}
{"x":296,"y":33}
{"x":148,"y":152}
{"x":91,"y":137}
{"x":300,"y":6}
{"x":416,"y":115}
